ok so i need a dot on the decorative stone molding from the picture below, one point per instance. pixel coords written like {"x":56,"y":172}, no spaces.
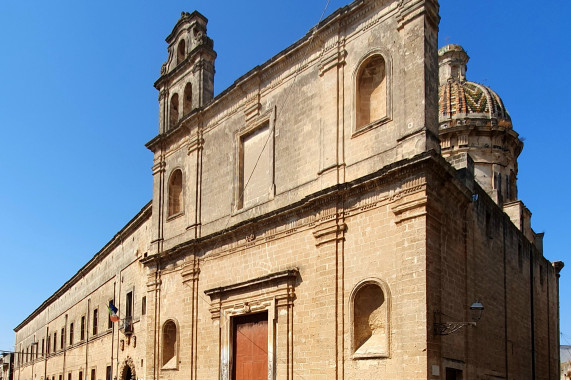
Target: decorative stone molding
{"x":159,"y":167}
{"x":252,"y":110}
{"x":280,"y":287}
{"x":328,"y":232}
{"x":412,"y":9}
{"x":153,"y":283}
{"x":335,"y":59}
{"x":195,"y":144}
{"x":251,"y":91}
{"x":190,"y":272}
{"x":359,"y":199}
{"x":405,"y":209}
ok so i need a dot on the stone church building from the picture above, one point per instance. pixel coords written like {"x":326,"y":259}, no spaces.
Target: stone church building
{"x":343,"y":211}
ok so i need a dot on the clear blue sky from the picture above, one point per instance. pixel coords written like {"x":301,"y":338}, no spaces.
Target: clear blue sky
{"x":77,"y":106}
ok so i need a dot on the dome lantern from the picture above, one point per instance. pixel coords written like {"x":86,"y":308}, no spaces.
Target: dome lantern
{"x":452,"y":60}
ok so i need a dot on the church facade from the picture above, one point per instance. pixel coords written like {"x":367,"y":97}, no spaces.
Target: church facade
{"x":348,"y":209}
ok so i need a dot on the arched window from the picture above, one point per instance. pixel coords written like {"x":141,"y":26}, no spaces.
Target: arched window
{"x":370,"y":305}
{"x":187,"y":101}
{"x":173,"y":111}
{"x":180,"y":52}
{"x":169,"y":345}
{"x":175,"y":193}
{"x":371,"y":102}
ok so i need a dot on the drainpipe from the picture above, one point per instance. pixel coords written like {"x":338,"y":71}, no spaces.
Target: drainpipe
{"x":558,"y":265}
{"x":87,"y":340}
{"x":113,"y":337}
{"x":64,"y":346}
{"x":505,"y":301}
{"x":32,"y":356}
{"x":548,"y":324}
{"x":46,"y":352}
{"x":532,"y":311}
{"x":157,"y":322}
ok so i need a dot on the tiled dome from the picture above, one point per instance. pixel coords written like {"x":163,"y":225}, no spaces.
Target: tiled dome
{"x":462,"y":99}
{"x":474,"y":121}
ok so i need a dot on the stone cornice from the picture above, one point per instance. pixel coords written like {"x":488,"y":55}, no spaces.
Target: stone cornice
{"x":312,"y":209}
{"x":185,"y":124}
{"x":303,"y":54}
{"x":260,"y":281}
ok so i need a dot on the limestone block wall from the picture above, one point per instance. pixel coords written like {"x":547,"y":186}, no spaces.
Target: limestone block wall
{"x":478,"y":254}
{"x":306,"y":96}
{"x":88,"y":345}
{"x":387,"y":244}
{"x":304,"y":268}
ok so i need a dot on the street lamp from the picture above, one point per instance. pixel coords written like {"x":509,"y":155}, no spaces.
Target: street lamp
{"x":447,"y":328}
{"x":476,"y":310}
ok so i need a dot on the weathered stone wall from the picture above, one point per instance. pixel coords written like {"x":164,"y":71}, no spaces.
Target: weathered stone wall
{"x":111,"y":273}
{"x":372,"y":233}
{"x":478,"y":254}
{"x":307,"y":95}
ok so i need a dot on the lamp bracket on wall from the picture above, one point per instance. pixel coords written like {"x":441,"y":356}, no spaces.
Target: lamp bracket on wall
{"x":450,"y":327}
{"x":447,"y":328}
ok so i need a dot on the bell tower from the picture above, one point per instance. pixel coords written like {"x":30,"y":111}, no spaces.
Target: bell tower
{"x":187,"y":77}
{"x":186,"y":85}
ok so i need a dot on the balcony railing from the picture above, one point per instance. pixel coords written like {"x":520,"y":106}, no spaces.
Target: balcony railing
{"x":127,"y":325}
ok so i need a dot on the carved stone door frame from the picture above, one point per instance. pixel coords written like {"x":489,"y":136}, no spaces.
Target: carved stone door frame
{"x":226,"y":326}
{"x":127,"y":364}
{"x":267,"y":293}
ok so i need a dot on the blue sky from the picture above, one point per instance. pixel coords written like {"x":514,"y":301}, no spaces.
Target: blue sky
{"x":77,"y":106}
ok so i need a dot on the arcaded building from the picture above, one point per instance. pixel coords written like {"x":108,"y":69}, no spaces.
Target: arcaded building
{"x":346,"y":210}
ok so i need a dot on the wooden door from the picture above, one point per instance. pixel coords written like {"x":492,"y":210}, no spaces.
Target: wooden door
{"x":250,"y":337}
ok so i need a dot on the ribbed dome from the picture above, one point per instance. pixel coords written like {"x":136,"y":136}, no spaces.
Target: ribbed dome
{"x":462,"y":99}
{"x":469,"y":100}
